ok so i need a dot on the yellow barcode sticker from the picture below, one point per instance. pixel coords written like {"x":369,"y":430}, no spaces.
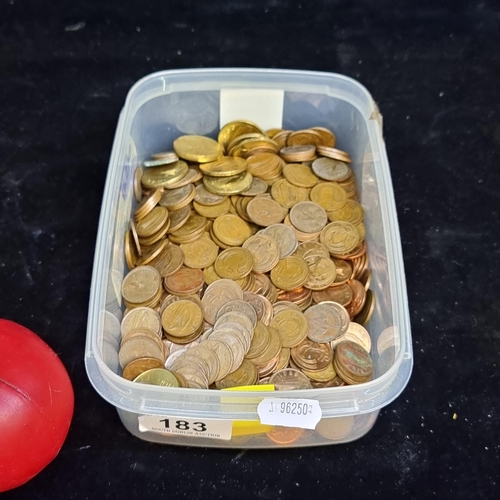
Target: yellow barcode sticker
{"x":250,"y":388}
{"x":248,"y":427}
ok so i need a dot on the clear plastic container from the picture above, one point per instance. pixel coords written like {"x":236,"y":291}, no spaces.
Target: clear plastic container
{"x":164,"y":105}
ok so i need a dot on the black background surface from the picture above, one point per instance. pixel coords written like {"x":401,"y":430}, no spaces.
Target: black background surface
{"x":434,"y":69}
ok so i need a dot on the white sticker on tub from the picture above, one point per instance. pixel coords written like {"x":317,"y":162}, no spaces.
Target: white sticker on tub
{"x":262,"y":106}
{"x":303,"y":413}
{"x":191,"y":427}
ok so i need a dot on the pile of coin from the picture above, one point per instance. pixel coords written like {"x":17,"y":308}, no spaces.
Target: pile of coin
{"x":248,"y":264}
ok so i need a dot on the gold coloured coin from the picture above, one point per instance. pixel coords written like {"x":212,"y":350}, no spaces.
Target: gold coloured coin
{"x":265,"y":211}
{"x":351,"y":212}
{"x":322,"y":272}
{"x":336,"y":154}
{"x":328,"y":195}
{"x":283,"y":360}
{"x":135,"y":237}
{"x":178,"y":218}
{"x":213,"y":211}
{"x":290,"y":273}
{"x":147,"y":204}
{"x":340,"y":237}
{"x":193,"y":175}
{"x":265,"y":165}
{"x":260,"y":341}
{"x":300,"y":175}
{"x":272,"y":351}
{"x":169,"y":261}
{"x":231,"y":230}
{"x":151,"y":252}
{"x":197,"y":148}
{"x":343,"y":272}
{"x":281,"y":137}
{"x":153,"y":222}
{"x":234,"y":263}
{"x":137,"y":184}
{"x":141,"y":284}
{"x":237,"y":141}
{"x":246,"y":374}
{"x":226,"y":166}
{"x":310,"y":249}
{"x":228,"y":185}
{"x":210,"y":276}
{"x":292,"y":327}
{"x":235,"y":129}
{"x":324,"y":375}
{"x":156,"y":237}
{"x":312,"y":356}
{"x":130,"y":250}
{"x":298,"y":153}
{"x":327,"y":136}
{"x":252,"y":145}
{"x":304,"y":137}
{"x":200,"y":253}
{"x":287,"y":195}
{"x":164,"y":175}
{"x":272,"y":132}
{"x":157,"y":376}
{"x":175,"y":199}
{"x":194,"y":225}
{"x":182,"y":318}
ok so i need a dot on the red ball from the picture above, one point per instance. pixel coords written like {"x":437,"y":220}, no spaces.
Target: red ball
{"x":36,"y":404}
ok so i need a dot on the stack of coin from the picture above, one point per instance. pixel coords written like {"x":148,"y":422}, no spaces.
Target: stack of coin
{"x":249,"y":252}
{"x":265,"y":351}
{"x":352,"y":363}
{"x":141,"y":347}
{"x":141,"y":287}
{"x":185,"y":281}
{"x":182,"y":321}
{"x":265,"y":166}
